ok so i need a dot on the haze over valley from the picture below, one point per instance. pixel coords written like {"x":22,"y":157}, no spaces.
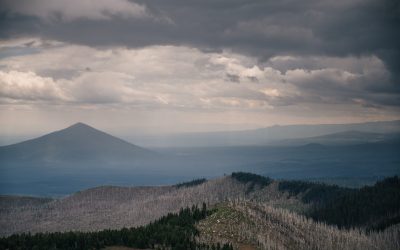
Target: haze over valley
{"x":81,"y":156}
{"x":199,"y":125}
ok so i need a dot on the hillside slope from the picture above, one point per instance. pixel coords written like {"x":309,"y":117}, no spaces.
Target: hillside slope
{"x":250,"y":225}
{"x":248,"y":211}
{"x":117,"y":207}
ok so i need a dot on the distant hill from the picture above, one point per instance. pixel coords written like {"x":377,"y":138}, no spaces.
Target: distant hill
{"x":76,"y":144}
{"x":73,"y":158}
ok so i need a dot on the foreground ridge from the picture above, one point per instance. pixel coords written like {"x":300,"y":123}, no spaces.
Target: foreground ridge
{"x":247,"y":211}
{"x":173,"y":231}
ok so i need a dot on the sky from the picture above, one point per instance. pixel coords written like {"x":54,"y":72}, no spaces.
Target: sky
{"x":159,"y":67}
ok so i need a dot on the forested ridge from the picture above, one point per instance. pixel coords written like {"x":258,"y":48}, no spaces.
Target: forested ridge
{"x":267,"y":206}
{"x":372,"y":207}
{"x":375,"y":207}
{"x":173,"y":231}
{"x":313,"y":192}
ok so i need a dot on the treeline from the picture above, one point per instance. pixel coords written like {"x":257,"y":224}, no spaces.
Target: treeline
{"x":173,"y":231}
{"x":253,"y":179}
{"x":374,"y":208}
{"x":313,"y":192}
{"x":191,"y":183}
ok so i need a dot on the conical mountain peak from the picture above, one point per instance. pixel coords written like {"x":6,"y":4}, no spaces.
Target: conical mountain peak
{"x":80,"y":125}
{"x":78,"y":143}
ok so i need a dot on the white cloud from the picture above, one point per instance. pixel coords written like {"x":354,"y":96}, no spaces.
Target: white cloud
{"x":77,"y":9}
{"x":180,"y":77}
{"x":176,"y":88}
{"x":323,"y":76}
{"x":17,"y":85}
{"x":99,"y":87}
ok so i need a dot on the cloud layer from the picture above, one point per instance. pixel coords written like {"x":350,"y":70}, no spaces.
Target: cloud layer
{"x":261,"y":28}
{"x":183,"y":77}
{"x":67,"y":11}
{"x":258,"y":61}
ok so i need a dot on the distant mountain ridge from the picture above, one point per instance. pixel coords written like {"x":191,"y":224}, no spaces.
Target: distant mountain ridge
{"x":263,"y":136}
{"x":340,"y":138}
{"x":80,"y":156}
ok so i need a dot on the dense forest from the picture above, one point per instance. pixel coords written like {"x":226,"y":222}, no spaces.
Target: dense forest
{"x":311,"y":192}
{"x":173,"y":231}
{"x":373,"y":207}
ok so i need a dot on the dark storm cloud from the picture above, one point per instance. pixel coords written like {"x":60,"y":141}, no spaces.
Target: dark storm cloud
{"x":258,"y":28}
{"x":262,"y":28}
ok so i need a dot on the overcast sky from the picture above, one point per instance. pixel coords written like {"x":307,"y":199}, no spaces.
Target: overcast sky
{"x":167,"y":66}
